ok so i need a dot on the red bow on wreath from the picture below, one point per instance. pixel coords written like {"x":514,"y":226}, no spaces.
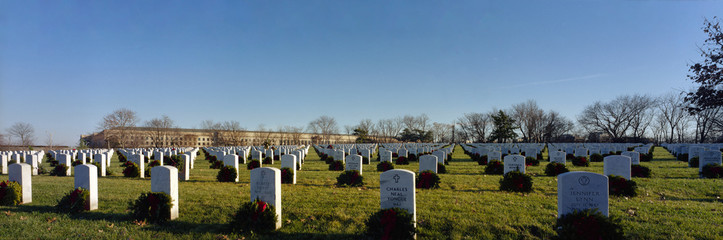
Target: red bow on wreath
{"x":389,"y":220}
{"x":153,"y":201}
{"x":260,"y":208}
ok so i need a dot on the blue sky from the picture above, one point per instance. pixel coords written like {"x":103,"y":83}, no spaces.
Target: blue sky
{"x":66,"y":64}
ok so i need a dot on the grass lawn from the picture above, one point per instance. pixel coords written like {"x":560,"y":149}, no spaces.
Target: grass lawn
{"x":672,"y":204}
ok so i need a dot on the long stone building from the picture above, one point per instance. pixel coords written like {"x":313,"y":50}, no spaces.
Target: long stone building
{"x":143,"y":137}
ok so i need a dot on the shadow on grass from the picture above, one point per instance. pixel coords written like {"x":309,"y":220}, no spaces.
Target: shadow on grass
{"x":311,"y":236}
{"x":94,"y":215}
{"x":34,"y":209}
{"x":183,"y":227}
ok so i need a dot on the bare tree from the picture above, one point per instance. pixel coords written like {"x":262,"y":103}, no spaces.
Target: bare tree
{"x":324,"y":125}
{"x":613,"y":118}
{"x":642,"y":114}
{"x":705,"y":123}
{"x":2,"y":141}
{"x":24,"y":131}
{"x":672,"y":110}
{"x":118,"y":127}
{"x":554,"y":126}
{"x":49,"y":140}
{"x":231,"y":133}
{"x":160,"y":131}
{"x":442,"y":132}
{"x":529,"y":118}
{"x":295,"y":134}
{"x":474,"y":126}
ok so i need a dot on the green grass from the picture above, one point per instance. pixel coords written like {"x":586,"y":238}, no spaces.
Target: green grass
{"x":672,"y":204}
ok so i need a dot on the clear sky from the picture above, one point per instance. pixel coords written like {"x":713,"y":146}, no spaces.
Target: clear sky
{"x":66,"y":64}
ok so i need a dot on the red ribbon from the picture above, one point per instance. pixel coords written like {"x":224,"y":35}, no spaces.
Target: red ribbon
{"x":3,"y":189}
{"x":389,"y":220}
{"x":260,"y":208}
{"x":153,"y":201}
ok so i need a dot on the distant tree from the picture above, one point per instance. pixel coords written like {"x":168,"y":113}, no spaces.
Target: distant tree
{"x":161,"y":131}
{"x":49,"y":140}
{"x":442,"y":132}
{"x":614,"y":118}
{"x":474,"y":126}
{"x":121,"y":122}
{"x":324,"y":125}
{"x":672,"y":110}
{"x":555,"y":126}
{"x":416,"y":135}
{"x":529,"y":118}
{"x":708,"y":73}
{"x":24,"y":132}
{"x":504,"y":127}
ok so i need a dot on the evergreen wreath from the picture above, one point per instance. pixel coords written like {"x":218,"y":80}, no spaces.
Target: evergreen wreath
{"x":441,"y":168}
{"x":516,"y":181}
{"x":588,"y":224}
{"x":391,"y":223}
{"x":641,"y":171}
{"x":596,"y":157}
{"x":11,"y":193}
{"x":495,"y":167}
{"x":350,"y":178}
{"x":254,"y":217}
{"x":694,"y":162}
{"x":619,"y":186}
{"x":712,"y":171}
{"x":532,"y":161}
{"x":554,"y":169}
{"x":402,"y":161}
{"x":154,"y":207}
{"x":267,"y":160}
{"x":216,"y":165}
{"x":76,"y":163}
{"x":580,"y":161}
{"x":287,"y":175}
{"x":253,"y":164}
{"x":427,"y":179}
{"x":59,"y":170}
{"x":74,"y":202}
{"x":227,"y":174}
{"x":336,"y":166}
{"x":384,"y":166}
{"x":482,"y":160}
{"x":131,"y":170}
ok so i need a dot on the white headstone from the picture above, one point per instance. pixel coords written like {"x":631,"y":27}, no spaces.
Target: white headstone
{"x":494,"y":155}
{"x":289,"y":161}
{"x":100,"y":159}
{"x":34,"y":161}
{"x":634,"y":157}
{"x":617,"y":165}
{"x":385,"y":156}
{"x":441,"y":156}
{"x":354,"y":162}
{"x":580,"y":191}
{"x":67,"y":160}
{"x":4,"y":162}
{"x":558,"y":157}
{"x":397,"y":190}
{"x":165,"y":179}
{"x":709,"y":157}
{"x":20,"y":173}
{"x":514,"y":163}
{"x":86,"y":177}
{"x":185,"y":174}
{"x":428,"y":162}
{"x":232,"y":160}
{"x":266,"y":186}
